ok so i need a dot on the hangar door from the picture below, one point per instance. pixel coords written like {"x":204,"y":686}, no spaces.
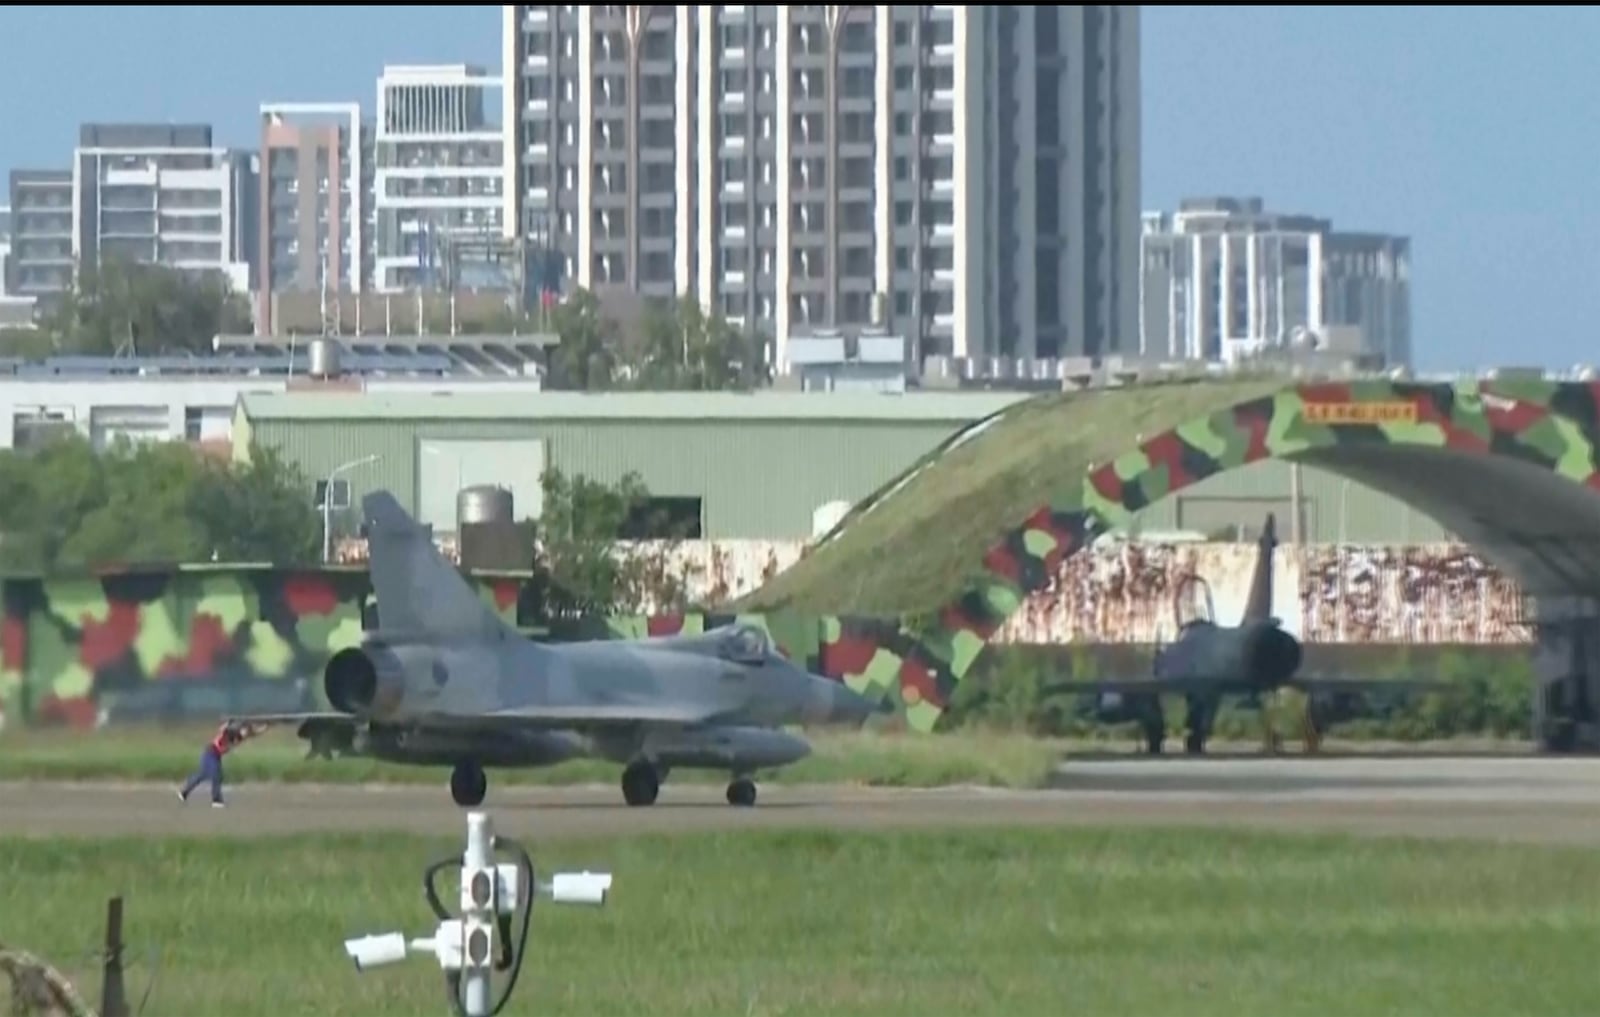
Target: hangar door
{"x":445,"y":466}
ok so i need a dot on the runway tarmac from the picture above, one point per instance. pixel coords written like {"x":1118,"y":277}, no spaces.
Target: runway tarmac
{"x":1544,"y":800}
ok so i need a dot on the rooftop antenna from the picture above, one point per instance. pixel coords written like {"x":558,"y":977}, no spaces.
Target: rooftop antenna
{"x":329,"y":313}
{"x":491,"y":894}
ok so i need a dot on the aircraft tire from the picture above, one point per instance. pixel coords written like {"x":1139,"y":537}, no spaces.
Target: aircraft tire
{"x":1194,"y":745}
{"x":742,"y":792}
{"x":468,"y":784}
{"x":640,"y":784}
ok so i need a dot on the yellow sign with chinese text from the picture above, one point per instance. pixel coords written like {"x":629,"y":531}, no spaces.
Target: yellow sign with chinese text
{"x":1361,"y":413}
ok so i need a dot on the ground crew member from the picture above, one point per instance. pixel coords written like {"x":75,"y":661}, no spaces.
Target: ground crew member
{"x":227,"y":736}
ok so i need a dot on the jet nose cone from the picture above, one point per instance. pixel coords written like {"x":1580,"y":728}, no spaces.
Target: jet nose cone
{"x":831,"y":701}
{"x":850,"y":707}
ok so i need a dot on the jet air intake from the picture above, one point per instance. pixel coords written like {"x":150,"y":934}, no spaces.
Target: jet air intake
{"x":1272,"y":655}
{"x":363,"y":681}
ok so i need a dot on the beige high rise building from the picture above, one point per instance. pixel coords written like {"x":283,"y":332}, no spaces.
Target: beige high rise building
{"x":970,"y":172}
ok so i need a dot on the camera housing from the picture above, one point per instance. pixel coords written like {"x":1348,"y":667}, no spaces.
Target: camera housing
{"x":376,"y":951}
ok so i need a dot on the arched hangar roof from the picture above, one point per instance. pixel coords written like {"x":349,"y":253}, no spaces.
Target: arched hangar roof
{"x":957,"y":544}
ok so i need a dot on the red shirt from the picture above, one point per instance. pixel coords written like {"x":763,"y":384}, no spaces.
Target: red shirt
{"x":225,"y":739}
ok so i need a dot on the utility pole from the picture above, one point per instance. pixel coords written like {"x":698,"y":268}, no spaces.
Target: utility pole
{"x":113,"y":995}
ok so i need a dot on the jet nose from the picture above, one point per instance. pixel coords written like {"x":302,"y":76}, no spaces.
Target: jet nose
{"x":846,"y":706}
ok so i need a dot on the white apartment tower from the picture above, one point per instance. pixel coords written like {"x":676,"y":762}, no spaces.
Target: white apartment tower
{"x":160,"y":194}
{"x":970,"y":174}
{"x":439,"y":178}
{"x":1224,"y":277}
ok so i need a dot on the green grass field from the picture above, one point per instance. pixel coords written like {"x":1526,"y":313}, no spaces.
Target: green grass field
{"x":857,"y":757}
{"x":915,"y":923}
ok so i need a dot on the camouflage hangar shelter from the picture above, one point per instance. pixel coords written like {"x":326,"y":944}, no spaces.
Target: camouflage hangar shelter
{"x":742,"y":466}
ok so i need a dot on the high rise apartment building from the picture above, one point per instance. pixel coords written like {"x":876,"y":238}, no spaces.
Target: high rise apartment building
{"x":159,"y":194}
{"x":40,"y":264}
{"x":438,"y":182}
{"x":317,"y":223}
{"x":968,"y":174}
{"x":1223,"y":277}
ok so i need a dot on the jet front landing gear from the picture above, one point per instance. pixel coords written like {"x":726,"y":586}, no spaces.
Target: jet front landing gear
{"x":468,"y":784}
{"x":742,"y":792}
{"x":640,"y":784}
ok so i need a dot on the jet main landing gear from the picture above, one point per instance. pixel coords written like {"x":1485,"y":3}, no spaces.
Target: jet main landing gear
{"x":742,"y":792}
{"x":640,"y":784}
{"x":468,"y":784}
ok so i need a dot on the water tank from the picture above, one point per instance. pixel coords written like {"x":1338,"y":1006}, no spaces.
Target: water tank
{"x":483,"y":503}
{"x":324,"y":354}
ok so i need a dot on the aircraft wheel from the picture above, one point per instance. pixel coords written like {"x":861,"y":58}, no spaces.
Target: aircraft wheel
{"x":1195,"y":745}
{"x":742,"y":792}
{"x":1154,"y":735}
{"x":468,"y":784}
{"x":640,"y":784}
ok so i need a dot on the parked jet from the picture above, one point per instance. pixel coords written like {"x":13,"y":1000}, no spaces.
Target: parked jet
{"x":1254,"y":659}
{"x":441,"y":680}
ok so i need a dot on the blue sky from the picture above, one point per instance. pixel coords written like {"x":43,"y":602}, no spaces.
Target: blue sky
{"x":1466,"y":128}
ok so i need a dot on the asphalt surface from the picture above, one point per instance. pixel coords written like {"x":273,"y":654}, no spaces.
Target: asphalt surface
{"x":1541,"y":800}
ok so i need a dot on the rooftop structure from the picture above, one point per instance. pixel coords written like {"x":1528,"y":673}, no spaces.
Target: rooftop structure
{"x":517,"y":356}
{"x":438,"y":181}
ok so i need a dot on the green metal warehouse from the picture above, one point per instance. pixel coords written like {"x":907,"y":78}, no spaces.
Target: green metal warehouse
{"x":753,"y":465}
{"x":750,"y":466}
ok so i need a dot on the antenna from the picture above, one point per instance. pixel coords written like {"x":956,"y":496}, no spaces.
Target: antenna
{"x":490,"y":894}
{"x":329,"y":314}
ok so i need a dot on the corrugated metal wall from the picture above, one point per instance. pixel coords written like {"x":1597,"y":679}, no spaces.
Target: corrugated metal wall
{"x":759,"y":479}
{"x":1332,"y":508}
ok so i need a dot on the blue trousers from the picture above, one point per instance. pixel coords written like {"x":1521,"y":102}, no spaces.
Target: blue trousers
{"x":210,"y":769}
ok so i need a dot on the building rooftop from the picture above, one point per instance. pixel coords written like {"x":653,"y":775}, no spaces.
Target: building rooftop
{"x":940,"y":406}
{"x":272,"y":363}
{"x":484,"y":354}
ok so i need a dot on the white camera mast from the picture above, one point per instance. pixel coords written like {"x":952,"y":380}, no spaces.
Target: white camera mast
{"x":491,"y":894}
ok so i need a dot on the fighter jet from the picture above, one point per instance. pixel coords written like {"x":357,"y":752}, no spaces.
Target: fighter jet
{"x":442,"y":680}
{"x":1206,"y":661}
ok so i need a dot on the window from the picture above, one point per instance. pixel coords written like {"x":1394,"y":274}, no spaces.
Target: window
{"x":663,"y":519}
{"x":341,"y":494}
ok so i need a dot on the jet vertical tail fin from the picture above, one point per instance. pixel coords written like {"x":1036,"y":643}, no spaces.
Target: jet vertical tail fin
{"x":418,"y":591}
{"x":1258,"y":605}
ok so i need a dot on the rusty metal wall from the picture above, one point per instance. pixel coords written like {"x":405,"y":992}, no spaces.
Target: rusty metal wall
{"x":1427,"y":593}
{"x":1430,"y":593}
{"x":1123,"y":593}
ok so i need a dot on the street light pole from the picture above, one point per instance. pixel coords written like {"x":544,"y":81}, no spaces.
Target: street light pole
{"x":327,"y":501}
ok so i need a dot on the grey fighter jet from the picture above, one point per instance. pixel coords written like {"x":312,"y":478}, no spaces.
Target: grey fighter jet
{"x":441,"y":680}
{"x":1253,"y":660}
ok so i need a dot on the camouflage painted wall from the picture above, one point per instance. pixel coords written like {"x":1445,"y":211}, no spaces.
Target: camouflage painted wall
{"x":206,"y":640}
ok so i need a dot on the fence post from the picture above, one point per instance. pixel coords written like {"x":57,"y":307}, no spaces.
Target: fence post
{"x":113,"y":997}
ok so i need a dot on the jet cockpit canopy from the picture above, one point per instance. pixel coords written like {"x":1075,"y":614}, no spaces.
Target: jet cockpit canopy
{"x":745,"y":644}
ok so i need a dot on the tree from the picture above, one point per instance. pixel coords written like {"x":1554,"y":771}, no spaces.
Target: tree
{"x":686,"y":349}
{"x":584,"y":569}
{"x":676,"y":346}
{"x":256,"y":511}
{"x":146,"y":308}
{"x":69,"y":508}
{"x":586,"y":358}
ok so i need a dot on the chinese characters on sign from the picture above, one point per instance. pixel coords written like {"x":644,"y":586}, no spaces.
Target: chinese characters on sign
{"x":1361,"y":413}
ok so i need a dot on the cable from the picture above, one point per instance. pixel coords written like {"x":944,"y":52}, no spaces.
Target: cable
{"x":531,"y":887}
{"x":510,"y":958}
